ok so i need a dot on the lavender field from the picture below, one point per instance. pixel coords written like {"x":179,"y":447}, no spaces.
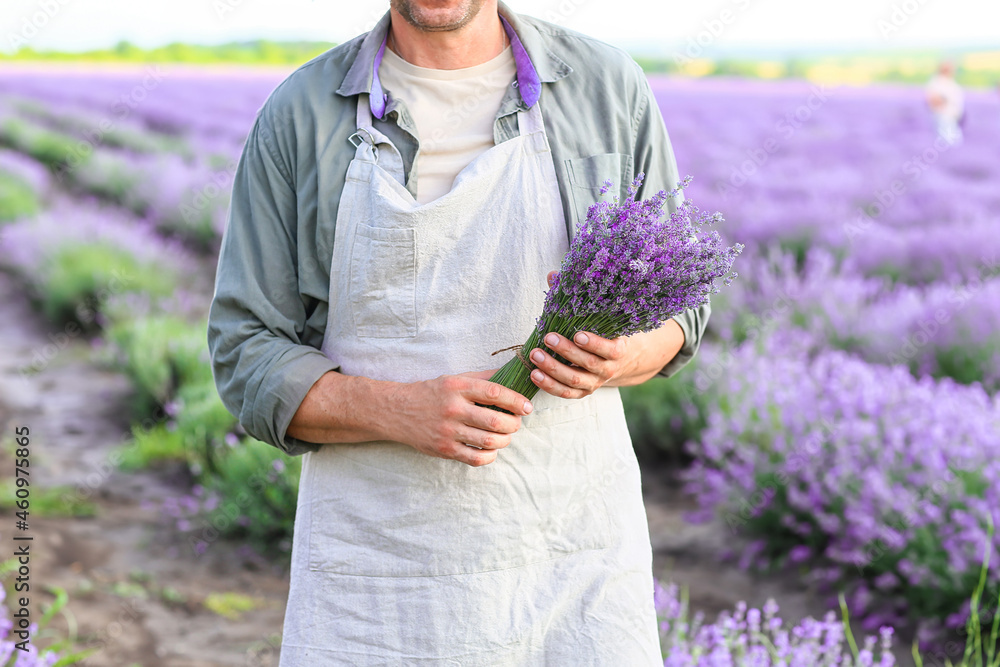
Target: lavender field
{"x":841,"y":422}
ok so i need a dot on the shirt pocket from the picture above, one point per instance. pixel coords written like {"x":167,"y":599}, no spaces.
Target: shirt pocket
{"x":588,"y":174}
{"x":383,"y":282}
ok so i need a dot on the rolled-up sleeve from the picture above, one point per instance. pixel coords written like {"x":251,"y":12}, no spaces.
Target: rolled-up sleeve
{"x":261,"y":367}
{"x":654,"y":156}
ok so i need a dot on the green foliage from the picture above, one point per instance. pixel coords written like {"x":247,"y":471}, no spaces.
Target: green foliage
{"x":112,"y":177}
{"x":79,"y":154}
{"x":167,"y":360}
{"x":966,"y":363}
{"x":146,"y":141}
{"x":196,"y":435}
{"x":262,"y":483}
{"x":78,"y":278}
{"x":172,"y":596}
{"x":152,"y":447}
{"x":77,"y":161}
{"x":665,"y":413}
{"x":982,"y":643}
{"x":257,"y":485}
{"x":231,"y":605}
{"x":91,"y":129}
{"x":160,"y":354}
{"x":61,"y":650}
{"x":193,"y":225}
{"x":898,"y":67}
{"x":17,"y":199}
{"x":258,"y":52}
{"x":53,"y":149}
{"x":798,"y":247}
{"x":52,"y":501}
{"x":129,"y":589}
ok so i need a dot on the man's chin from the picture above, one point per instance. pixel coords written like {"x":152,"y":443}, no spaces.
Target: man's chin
{"x":437,"y":16}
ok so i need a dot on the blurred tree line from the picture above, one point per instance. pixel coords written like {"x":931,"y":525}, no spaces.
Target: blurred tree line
{"x":257,"y":52}
{"x":974,"y":68}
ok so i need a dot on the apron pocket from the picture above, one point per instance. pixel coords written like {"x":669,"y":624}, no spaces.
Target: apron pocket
{"x":383,"y":282}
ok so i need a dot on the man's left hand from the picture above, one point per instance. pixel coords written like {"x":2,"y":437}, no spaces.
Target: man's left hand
{"x":595,"y":361}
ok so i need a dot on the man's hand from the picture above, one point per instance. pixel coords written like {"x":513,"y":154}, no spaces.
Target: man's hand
{"x":595,"y":361}
{"x":440,"y":417}
{"x":437,"y":417}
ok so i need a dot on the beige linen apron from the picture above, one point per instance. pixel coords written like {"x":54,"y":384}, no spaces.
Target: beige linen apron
{"x":540,"y":558}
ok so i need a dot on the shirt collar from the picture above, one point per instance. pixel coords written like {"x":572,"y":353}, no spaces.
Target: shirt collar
{"x":536,"y":64}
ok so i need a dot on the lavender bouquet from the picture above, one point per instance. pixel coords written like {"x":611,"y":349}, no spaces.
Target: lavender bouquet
{"x":629,"y":269}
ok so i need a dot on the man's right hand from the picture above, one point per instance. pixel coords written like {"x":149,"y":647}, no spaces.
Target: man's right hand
{"x":438,"y":417}
{"x":441,"y":418}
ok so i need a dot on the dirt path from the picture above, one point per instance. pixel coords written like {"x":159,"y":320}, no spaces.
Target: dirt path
{"x":137,"y":592}
{"x":116,"y":565}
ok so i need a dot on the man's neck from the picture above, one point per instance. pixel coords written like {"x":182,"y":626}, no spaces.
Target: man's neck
{"x":478,"y":41}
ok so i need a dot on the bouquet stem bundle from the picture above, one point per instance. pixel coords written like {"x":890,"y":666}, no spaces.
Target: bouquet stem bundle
{"x":629,"y":269}
{"x":516,"y":373}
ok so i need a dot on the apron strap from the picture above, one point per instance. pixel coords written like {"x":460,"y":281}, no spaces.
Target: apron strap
{"x":373,"y":146}
{"x":531,"y":124}
{"x":530,"y":121}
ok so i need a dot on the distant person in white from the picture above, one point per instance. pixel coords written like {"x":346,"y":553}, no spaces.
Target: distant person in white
{"x":947,"y":102}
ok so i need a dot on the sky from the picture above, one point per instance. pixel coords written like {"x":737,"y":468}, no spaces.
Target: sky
{"x":648,"y":26}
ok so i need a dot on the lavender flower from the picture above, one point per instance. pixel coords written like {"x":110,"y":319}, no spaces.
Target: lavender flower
{"x":750,"y":638}
{"x":893,"y":478}
{"x":944,"y":328}
{"x":9,"y":642}
{"x":32,"y":172}
{"x":630,"y":268}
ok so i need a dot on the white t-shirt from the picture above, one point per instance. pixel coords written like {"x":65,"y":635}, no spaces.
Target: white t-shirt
{"x":453,"y":110}
{"x":948,"y":90}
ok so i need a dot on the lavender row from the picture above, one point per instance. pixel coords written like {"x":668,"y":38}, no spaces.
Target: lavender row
{"x":946,"y":328}
{"x":879,"y":482}
{"x":860,"y":171}
{"x":184,"y":196}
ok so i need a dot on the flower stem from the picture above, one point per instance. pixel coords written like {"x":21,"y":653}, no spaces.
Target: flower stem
{"x":516,"y":373}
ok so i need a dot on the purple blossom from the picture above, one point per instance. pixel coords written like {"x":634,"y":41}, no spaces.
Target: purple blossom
{"x":904,"y":467}
{"x":630,"y":266}
{"x":8,"y":642}
{"x":28,"y":245}
{"x":943,"y":328}
{"x":33,"y":173}
{"x":740,"y":639}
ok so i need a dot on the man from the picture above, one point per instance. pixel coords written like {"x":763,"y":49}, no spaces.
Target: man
{"x":947,"y":103}
{"x":398,"y":205}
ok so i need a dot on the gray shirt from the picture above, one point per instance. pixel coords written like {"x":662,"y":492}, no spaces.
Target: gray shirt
{"x":270,"y":307}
